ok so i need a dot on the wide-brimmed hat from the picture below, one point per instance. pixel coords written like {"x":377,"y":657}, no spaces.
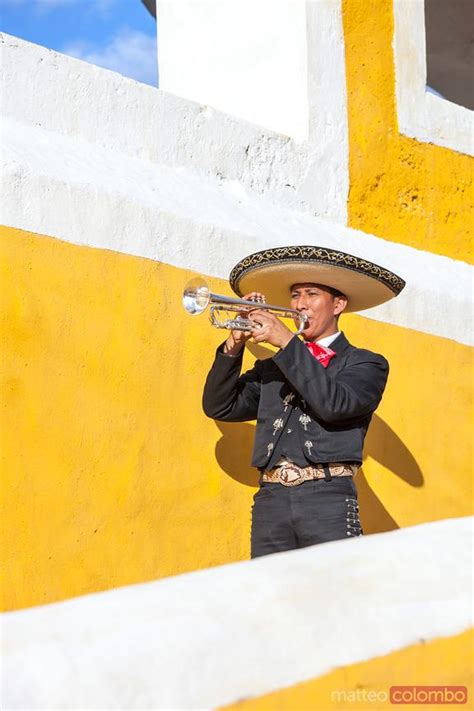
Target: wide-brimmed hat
{"x":274,"y":271}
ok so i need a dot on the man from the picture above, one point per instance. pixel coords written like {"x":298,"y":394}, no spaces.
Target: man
{"x":313,"y":400}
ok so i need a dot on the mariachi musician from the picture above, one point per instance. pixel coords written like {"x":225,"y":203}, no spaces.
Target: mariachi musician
{"x":313,"y":400}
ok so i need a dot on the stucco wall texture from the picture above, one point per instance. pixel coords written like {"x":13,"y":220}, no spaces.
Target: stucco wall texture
{"x":367,"y":684}
{"x":318,"y":628}
{"x":112,"y":475}
{"x":400,"y":189}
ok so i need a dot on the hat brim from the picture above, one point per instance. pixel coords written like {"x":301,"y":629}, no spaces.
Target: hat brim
{"x":274,"y":271}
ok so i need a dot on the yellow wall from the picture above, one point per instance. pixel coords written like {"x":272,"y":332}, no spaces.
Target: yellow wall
{"x":444,"y":661}
{"x":112,"y":474}
{"x":400,"y":189}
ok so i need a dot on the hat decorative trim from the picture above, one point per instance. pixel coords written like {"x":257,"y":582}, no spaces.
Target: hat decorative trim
{"x":317,"y":255}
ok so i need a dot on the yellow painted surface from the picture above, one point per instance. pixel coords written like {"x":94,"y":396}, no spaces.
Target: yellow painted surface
{"x":400,"y":189}
{"x":366,"y":685}
{"x":112,"y":475}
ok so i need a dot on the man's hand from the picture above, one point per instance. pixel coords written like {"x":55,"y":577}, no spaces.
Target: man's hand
{"x":272,"y":331}
{"x":237,"y":339}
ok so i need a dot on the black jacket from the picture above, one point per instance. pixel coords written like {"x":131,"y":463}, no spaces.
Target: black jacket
{"x":307,"y":412}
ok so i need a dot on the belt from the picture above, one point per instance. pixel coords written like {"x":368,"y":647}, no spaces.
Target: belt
{"x":290,"y":474}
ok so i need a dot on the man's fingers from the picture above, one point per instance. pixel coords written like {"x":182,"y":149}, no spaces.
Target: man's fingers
{"x":254,"y":296}
{"x":265,"y":314}
{"x":260,"y":333}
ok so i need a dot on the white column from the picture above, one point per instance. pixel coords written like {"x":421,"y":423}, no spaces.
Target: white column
{"x":247,"y":58}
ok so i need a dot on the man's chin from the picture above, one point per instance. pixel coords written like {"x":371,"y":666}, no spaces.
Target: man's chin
{"x":307,"y":334}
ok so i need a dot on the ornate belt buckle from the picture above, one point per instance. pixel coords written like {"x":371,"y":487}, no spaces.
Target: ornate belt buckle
{"x":289,"y":476}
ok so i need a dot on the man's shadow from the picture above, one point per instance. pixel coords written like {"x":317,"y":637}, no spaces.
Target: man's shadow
{"x":234,"y":448}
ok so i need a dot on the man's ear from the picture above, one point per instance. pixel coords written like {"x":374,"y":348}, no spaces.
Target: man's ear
{"x":340,"y":303}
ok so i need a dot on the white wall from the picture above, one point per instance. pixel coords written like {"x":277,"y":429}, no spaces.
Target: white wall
{"x":279,"y":64}
{"x":191,"y":641}
{"x":168,"y":179}
{"x":422,"y":114}
{"x":246,"y":58}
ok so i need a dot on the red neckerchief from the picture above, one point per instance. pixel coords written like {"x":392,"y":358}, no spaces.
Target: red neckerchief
{"x":322,"y":354}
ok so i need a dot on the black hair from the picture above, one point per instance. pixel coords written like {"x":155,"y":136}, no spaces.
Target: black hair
{"x":334,"y":292}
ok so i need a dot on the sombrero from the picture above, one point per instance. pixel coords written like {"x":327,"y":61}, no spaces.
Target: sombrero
{"x":274,"y":271}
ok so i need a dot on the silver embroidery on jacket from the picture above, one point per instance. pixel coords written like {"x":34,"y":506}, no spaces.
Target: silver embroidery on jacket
{"x":277,"y":425}
{"x":287,"y":400}
{"x":305,"y":419}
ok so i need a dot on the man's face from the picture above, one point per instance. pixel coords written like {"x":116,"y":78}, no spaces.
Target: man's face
{"x":320,"y":306}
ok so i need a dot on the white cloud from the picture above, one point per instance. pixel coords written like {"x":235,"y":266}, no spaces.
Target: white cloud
{"x":435,"y":92}
{"x":129,"y":52}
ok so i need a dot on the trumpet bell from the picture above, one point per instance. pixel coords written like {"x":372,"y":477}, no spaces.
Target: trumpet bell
{"x":196,"y":296}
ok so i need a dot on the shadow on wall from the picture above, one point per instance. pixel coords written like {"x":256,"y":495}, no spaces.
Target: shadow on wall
{"x":381,"y":444}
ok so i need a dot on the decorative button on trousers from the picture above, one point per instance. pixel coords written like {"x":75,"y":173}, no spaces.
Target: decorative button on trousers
{"x":285,"y":518}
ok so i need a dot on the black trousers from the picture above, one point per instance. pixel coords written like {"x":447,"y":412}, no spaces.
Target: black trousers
{"x":284,"y":518}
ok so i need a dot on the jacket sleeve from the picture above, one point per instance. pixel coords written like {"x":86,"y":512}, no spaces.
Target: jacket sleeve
{"x":354,"y":392}
{"x":229,"y":396}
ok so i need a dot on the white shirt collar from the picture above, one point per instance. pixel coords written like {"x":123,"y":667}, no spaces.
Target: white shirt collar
{"x":327,"y":340}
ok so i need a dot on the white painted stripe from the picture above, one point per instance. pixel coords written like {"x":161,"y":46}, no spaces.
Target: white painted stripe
{"x":208,"y":638}
{"x":421,"y":115}
{"x":88,"y":195}
{"x":89,"y":103}
{"x":326,"y":165}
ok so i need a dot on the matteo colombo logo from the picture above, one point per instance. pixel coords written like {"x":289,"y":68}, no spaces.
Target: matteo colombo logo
{"x":428,"y":694}
{"x":405,"y":695}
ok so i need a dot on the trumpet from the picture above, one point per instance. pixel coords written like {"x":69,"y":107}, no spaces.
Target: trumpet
{"x":197,"y":297}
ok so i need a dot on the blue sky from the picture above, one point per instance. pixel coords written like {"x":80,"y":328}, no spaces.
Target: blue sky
{"x":117,"y":34}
